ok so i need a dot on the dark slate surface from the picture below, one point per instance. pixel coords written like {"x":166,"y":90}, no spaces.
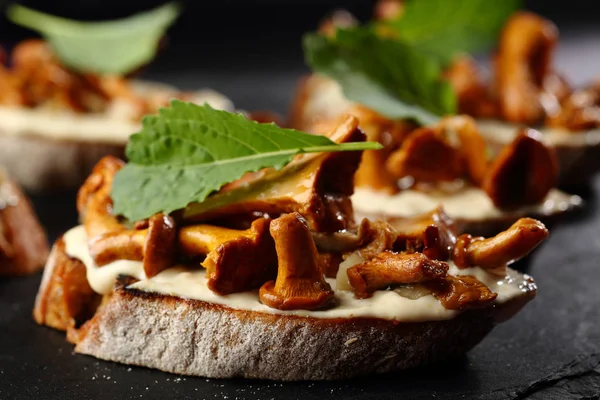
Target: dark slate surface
{"x":551,"y":350}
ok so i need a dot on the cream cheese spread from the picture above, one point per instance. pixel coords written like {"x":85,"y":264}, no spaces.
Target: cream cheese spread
{"x":505,"y":132}
{"x":112,"y":127}
{"x":192,"y":284}
{"x":469,"y":203}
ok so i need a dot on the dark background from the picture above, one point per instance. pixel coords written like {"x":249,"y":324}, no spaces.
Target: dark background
{"x":250,"y":51}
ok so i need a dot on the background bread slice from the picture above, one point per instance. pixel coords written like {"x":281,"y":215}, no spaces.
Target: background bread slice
{"x":192,"y":337}
{"x":320,"y":98}
{"x":41,"y":163}
{"x":23,"y":242}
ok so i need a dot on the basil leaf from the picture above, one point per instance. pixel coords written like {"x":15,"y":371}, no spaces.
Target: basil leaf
{"x":187,"y":152}
{"x":108,"y":47}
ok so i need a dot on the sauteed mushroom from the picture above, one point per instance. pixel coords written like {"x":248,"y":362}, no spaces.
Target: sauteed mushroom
{"x":504,"y":248}
{"x":300,"y":283}
{"x":388,"y":269}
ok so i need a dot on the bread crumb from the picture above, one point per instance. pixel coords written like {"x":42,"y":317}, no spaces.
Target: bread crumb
{"x":351,"y":340}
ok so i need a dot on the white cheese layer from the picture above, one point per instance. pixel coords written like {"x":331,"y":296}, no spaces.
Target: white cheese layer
{"x":192,"y":284}
{"x":113,"y":127}
{"x":470,"y":203}
{"x":505,"y":132}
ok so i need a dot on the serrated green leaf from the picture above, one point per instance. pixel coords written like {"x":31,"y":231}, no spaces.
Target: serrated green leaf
{"x":109,"y":47}
{"x":187,"y":152}
{"x":387,"y":75}
{"x":445,"y":28}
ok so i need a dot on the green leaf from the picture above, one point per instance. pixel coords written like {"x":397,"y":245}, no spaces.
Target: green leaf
{"x":387,"y":75}
{"x":187,"y":152}
{"x":445,"y":28}
{"x":110,"y":47}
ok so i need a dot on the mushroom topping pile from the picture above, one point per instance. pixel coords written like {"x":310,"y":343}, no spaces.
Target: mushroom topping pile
{"x":418,"y":261}
{"x":525,"y":89}
{"x":522,"y":173}
{"x":282,"y":234}
{"x":263,"y":238}
{"x":36,"y":78}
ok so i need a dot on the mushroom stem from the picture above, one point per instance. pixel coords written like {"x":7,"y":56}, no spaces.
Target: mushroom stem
{"x":300,"y":283}
{"x":506,"y":247}
{"x":109,"y":240}
{"x":154,"y":245}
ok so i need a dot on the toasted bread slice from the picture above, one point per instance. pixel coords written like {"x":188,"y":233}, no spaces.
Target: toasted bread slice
{"x":23,"y":242}
{"x":65,"y":298}
{"x":578,"y":153}
{"x":192,"y":337}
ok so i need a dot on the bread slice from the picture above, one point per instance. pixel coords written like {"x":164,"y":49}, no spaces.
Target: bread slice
{"x":192,"y":337}
{"x":52,"y":163}
{"x":319,"y":98}
{"x":23,"y":242}
{"x":62,"y":148}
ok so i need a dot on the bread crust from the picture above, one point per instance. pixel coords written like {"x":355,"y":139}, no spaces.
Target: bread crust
{"x":192,"y":337}
{"x":65,"y":298}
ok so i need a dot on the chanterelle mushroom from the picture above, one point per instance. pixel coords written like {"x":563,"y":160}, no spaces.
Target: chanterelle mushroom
{"x":452,"y":149}
{"x":93,"y":199}
{"x":390,"y":134}
{"x":300,"y":283}
{"x":109,"y":240}
{"x":236,"y":261}
{"x":427,"y":157}
{"x":522,"y":173}
{"x":461,"y":292}
{"x":388,"y":269}
{"x":318,"y":186}
{"x":508,"y":246}
{"x":433,"y":234}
